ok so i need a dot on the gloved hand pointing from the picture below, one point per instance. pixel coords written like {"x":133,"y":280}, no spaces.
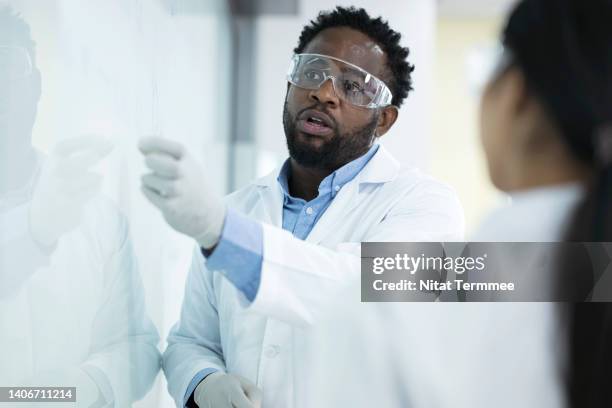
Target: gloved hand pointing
{"x":177,"y":186}
{"x":219,"y":390}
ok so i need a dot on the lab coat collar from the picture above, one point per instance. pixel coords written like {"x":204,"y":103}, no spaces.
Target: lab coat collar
{"x":382,"y":168}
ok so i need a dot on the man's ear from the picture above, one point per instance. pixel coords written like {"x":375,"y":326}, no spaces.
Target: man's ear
{"x":387,"y":118}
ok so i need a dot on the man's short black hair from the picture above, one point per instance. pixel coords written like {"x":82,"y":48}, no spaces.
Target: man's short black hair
{"x":400,"y":81}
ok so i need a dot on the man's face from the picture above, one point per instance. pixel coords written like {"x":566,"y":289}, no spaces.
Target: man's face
{"x":350,"y":130}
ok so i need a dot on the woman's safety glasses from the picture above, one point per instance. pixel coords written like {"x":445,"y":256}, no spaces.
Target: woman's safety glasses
{"x":351,"y":83}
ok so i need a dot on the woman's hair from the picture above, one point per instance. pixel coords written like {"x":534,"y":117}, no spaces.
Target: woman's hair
{"x":564,"y":49}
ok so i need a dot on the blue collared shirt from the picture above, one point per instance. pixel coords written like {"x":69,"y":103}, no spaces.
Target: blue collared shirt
{"x":239,"y":254}
{"x":300,"y":216}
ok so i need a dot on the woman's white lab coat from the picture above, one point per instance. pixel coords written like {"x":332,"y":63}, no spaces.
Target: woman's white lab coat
{"x":464,"y":355}
{"x":265,"y":342}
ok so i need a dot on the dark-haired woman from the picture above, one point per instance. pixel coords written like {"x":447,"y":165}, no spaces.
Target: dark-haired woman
{"x":546,"y":129}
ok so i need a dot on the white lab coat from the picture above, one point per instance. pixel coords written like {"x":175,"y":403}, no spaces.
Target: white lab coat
{"x":265,"y":341}
{"x":78,"y":309}
{"x":463,"y":355}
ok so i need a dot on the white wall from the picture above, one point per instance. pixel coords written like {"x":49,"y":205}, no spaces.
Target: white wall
{"x":459,"y":158}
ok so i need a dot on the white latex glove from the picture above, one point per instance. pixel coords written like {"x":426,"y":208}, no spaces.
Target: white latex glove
{"x":177,"y":186}
{"x":66,"y":186}
{"x":220,"y":390}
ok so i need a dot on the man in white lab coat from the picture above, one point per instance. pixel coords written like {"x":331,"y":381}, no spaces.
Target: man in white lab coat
{"x":274,"y":253}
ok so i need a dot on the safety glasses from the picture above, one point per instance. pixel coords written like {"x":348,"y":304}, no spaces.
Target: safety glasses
{"x":351,"y":83}
{"x":15,"y":63}
{"x":504,"y":59}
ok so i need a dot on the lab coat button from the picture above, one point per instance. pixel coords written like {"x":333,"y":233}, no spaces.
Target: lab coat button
{"x":309,"y":211}
{"x":272,"y":351}
{"x":337,"y":188}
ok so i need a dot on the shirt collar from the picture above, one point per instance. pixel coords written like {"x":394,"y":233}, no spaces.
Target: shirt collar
{"x":334,"y":182}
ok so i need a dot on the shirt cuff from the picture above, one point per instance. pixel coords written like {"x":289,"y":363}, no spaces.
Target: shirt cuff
{"x":199,"y":377}
{"x":239,"y":253}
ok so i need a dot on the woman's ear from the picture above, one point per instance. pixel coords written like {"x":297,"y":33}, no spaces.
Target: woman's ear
{"x":386,"y":120}
{"x":516,"y":92}
{"x":526,"y":112}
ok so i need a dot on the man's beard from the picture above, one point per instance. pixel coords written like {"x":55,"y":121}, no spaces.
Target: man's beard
{"x":335,"y":153}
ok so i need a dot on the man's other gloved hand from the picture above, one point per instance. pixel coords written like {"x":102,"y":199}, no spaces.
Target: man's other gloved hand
{"x":220,"y":390}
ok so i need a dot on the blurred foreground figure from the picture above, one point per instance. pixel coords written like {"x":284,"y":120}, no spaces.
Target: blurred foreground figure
{"x":72,"y":309}
{"x":546,"y":127}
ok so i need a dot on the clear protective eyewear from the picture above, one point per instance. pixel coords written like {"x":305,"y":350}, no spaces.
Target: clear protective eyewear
{"x":15,"y":63}
{"x":503,"y":59}
{"x":486,"y":64}
{"x":351,"y":83}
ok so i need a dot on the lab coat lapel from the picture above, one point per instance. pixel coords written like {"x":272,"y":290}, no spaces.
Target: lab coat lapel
{"x":269,"y":207}
{"x":380,"y":169}
{"x":344,"y":202}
